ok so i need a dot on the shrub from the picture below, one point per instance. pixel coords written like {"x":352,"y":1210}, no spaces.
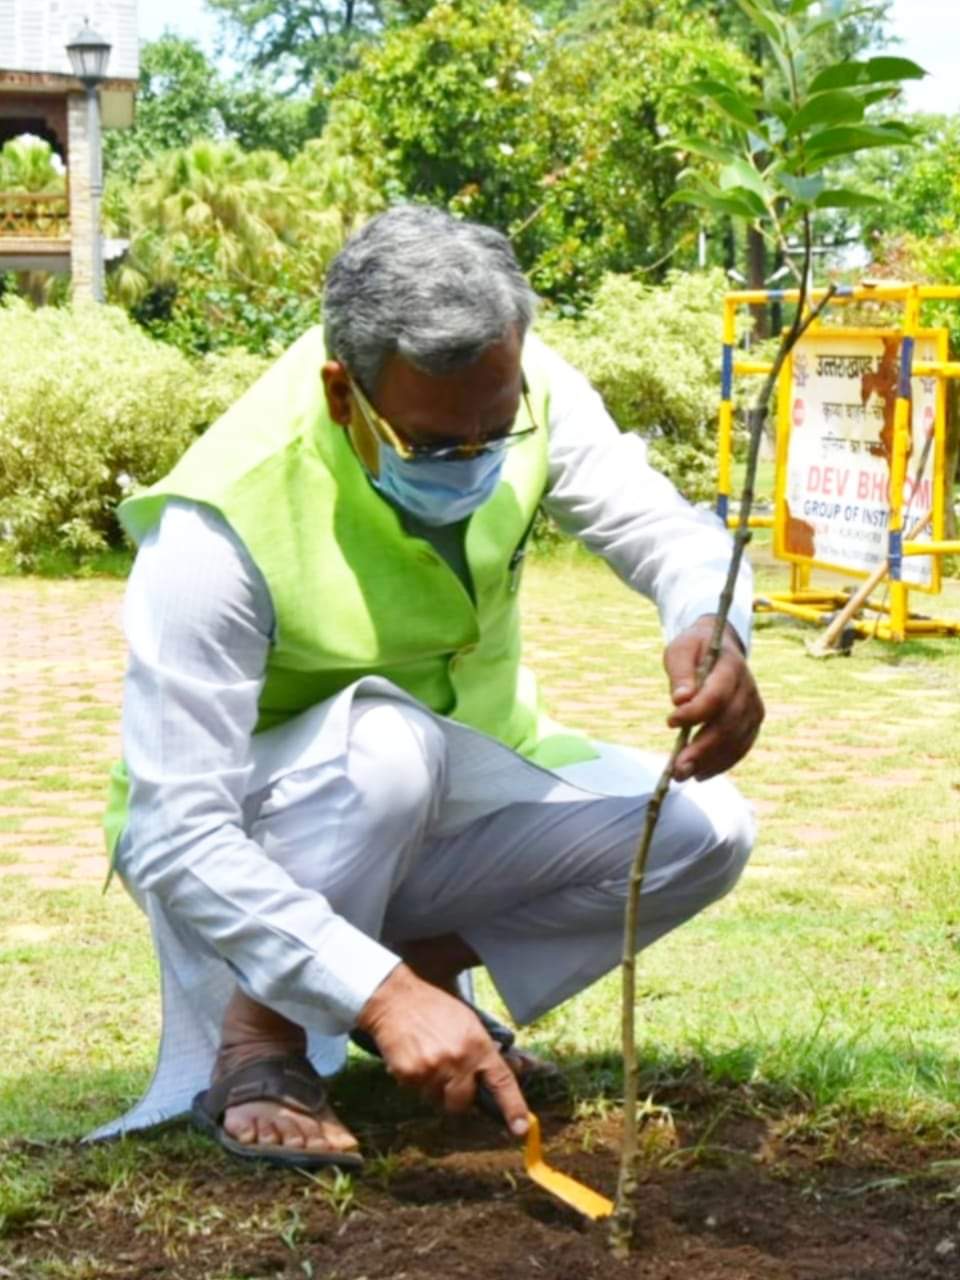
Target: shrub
{"x":89,"y":406}
{"x":654,"y":355}
{"x":230,"y":248}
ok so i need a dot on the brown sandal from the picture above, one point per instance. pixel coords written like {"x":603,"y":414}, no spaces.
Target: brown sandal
{"x":290,"y":1080}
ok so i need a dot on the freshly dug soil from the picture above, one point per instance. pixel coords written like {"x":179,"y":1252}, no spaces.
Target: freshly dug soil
{"x":734,"y":1200}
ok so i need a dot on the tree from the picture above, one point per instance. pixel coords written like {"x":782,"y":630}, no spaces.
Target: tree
{"x":312,"y":43}
{"x":182,"y":97}
{"x":479,"y":108}
{"x":308,"y":42}
{"x":920,"y":192}
{"x":841,"y":35}
{"x":769,"y":158}
{"x":177,"y":101}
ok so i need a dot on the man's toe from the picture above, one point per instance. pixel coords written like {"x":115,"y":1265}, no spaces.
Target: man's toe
{"x":332,"y":1135}
{"x":268,"y":1134}
{"x":266,"y":1124}
{"x":290,"y":1129}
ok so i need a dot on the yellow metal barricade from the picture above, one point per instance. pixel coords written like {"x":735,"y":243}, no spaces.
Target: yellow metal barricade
{"x":854,"y":471}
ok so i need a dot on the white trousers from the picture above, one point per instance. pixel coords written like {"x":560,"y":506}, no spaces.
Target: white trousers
{"x":536,"y":887}
{"x":412,"y":826}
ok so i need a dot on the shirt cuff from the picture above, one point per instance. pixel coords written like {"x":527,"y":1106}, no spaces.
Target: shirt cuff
{"x":348,"y":968}
{"x":740,"y":618}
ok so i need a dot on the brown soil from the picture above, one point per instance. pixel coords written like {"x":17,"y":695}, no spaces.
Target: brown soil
{"x":451,"y":1200}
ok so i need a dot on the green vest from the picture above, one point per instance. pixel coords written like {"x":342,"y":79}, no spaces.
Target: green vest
{"x":353,"y":593}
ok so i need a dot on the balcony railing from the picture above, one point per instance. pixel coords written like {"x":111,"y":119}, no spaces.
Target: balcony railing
{"x":37,"y":216}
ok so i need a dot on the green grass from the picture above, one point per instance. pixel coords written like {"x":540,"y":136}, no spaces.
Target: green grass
{"x":829,"y":981}
{"x":54,"y":562}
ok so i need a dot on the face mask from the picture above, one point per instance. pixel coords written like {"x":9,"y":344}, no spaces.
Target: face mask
{"x":438,"y":492}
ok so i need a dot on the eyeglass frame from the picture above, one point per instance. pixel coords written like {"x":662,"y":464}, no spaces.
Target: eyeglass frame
{"x":412,"y":452}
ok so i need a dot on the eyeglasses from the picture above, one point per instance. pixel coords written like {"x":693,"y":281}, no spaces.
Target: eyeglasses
{"x":450,"y":451}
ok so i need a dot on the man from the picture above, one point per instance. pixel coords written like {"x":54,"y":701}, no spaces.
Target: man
{"x":340,"y":794}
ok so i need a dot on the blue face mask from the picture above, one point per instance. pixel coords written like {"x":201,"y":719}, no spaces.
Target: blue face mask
{"x":438,"y":492}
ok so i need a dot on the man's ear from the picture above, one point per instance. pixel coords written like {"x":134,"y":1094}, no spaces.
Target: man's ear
{"x":336,"y":387}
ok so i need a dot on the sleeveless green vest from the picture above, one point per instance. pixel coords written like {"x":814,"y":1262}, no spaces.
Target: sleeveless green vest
{"x":353,"y":593}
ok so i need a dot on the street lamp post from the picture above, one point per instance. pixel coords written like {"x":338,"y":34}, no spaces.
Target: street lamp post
{"x":89,"y":55}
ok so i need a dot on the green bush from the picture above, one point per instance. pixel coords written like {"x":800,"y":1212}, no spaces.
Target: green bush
{"x":89,"y":406}
{"x":654,"y":355}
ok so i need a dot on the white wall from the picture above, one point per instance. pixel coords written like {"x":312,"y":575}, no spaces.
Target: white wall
{"x":34,"y":33}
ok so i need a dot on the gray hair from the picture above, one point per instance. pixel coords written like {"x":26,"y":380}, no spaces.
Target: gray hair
{"x":423,"y":285}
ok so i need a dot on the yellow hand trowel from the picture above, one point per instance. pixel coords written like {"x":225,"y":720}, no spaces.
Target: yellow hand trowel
{"x":586,"y":1201}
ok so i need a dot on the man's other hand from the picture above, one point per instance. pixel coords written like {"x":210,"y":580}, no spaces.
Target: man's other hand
{"x":728,"y":706}
{"x":433,"y":1042}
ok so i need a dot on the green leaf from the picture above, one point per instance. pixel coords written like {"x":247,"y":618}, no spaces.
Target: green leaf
{"x":733,"y":105}
{"x":833,"y":107}
{"x":728,"y":203}
{"x":869,"y":96}
{"x":764,"y":21}
{"x":840,"y":75}
{"x":894,"y":69}
{"x":842,"y":198}
{"x":700,"y":147}
{"x":750,"y":198}
{"x":847,"y":139}
{"x":804,"y":190}
{"x":780,"y":108}
{"x":739,"y":174}
{"x":843,"y":75}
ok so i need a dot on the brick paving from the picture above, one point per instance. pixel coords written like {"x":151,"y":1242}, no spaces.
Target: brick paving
{"x":60,"y":683}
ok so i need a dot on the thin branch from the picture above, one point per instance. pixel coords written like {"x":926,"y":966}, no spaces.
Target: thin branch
{"x":624,"y":1216}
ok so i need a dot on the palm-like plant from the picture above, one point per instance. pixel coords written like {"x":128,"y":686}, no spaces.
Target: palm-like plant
{"x":252,"y":215}
{"x":28,"y":167}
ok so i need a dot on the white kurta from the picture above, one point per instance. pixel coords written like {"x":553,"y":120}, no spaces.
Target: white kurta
{"x":199,"y":622}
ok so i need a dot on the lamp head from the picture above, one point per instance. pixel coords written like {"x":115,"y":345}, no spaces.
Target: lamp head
{"x":89,"y":54}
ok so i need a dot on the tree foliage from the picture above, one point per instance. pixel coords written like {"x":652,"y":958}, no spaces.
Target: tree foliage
{"x":313,"y":42}
{"x":182,"y":98}
{"x":479,"y":108}
{"x":177,"y":102}
{"x":918,"y":192}
{"x":770,"y":156}
{"x":308,"y":41}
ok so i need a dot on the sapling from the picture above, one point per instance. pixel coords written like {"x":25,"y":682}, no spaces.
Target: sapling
{"x":766,"y":164}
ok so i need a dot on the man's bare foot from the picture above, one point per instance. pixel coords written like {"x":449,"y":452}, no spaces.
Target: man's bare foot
{"x":252,"y":1033}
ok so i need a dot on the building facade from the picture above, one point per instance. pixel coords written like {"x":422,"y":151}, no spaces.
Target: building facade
{"x":40,"y":96}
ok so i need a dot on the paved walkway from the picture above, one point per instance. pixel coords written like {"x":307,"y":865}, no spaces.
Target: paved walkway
{"x":596,"y":649}
{"x":60,"y":682}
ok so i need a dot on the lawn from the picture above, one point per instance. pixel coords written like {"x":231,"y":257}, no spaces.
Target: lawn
{"x":816,"y":1006}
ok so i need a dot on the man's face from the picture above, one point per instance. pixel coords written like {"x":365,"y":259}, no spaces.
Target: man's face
{"x":466,"y":407}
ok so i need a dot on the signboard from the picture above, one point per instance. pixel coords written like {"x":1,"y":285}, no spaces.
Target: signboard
{"x":835,"y":445}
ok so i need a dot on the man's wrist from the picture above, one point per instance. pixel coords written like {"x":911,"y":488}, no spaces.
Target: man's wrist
{"x":399,"y":979}
{"x":707,"y":623}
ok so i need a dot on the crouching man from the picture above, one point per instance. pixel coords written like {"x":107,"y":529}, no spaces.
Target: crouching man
{"x":339,"y":793}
